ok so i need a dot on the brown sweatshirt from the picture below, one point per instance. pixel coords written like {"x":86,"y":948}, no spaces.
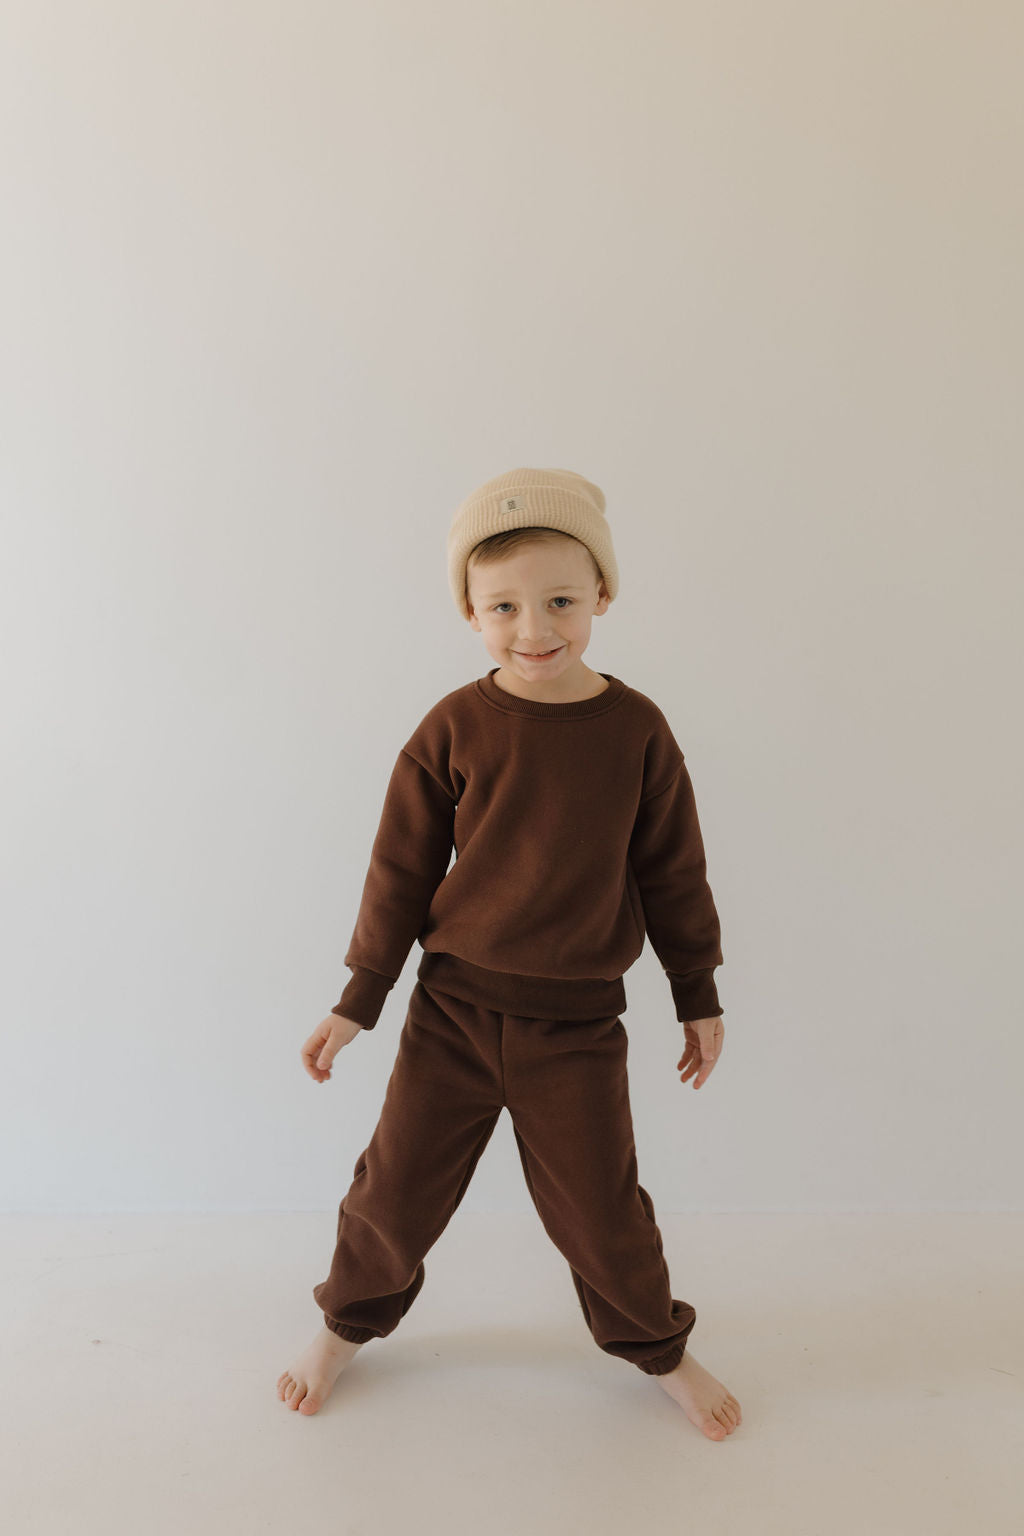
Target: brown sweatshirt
{"x":575,"y":832}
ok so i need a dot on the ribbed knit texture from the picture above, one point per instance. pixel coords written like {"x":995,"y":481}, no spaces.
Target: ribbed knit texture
{"x":531,"y":498}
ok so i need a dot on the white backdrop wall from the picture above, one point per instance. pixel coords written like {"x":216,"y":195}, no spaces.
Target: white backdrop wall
{"x":280,"y":284}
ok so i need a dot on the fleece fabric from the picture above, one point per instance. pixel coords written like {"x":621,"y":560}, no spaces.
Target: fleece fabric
{"x":575,"y":834}
{"x":565,"y":1086}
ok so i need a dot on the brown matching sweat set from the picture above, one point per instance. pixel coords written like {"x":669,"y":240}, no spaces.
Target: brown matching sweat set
{"x":575,"y":833}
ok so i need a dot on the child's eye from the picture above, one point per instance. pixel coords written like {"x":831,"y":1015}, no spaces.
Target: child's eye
{"x":569,"y":600}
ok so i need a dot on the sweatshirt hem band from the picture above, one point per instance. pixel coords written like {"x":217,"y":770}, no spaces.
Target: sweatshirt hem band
{"x":534,"y":997}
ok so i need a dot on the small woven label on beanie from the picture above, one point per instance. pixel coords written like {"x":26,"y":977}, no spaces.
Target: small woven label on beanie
{"x":512,"y":504}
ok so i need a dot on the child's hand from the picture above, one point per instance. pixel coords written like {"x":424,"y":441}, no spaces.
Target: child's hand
{"x":704,"y":1039}
{"x":324,"y":1044}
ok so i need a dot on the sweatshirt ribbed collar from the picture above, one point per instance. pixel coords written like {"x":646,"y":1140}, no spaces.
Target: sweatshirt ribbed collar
{"x":577,"y":709}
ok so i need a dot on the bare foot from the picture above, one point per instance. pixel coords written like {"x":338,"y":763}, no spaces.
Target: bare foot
{"x":704,"y":1400}
{"x":307,"y":1386}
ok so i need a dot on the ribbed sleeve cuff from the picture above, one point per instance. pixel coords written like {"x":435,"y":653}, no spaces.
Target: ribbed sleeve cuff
{"x":695,"y":994}
{"x":364,"y":997}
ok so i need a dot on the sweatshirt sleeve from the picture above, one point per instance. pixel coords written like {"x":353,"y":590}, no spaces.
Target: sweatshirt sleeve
{"x":408,"y":861}
{"x":666,"y":852}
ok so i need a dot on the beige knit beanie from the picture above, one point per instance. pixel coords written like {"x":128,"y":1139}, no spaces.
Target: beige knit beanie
{"x":530,"y":498}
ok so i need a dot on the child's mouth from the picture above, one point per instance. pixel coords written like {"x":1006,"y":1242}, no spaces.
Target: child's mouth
{"x":541,"y":656}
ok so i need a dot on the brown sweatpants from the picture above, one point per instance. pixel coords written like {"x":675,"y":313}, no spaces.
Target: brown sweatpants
{"x":565,"y":1085}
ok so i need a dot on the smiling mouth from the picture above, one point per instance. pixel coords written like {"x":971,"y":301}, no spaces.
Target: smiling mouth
{"x":538,"y":655}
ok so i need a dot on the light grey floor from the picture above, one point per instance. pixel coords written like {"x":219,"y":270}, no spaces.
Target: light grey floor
{"x":879,"y":1361}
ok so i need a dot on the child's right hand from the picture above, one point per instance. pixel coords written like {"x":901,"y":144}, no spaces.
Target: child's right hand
{"x":324,"y":1044}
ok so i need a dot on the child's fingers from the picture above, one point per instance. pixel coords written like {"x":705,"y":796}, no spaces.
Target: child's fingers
{"x":324,"y":1043}
{"x":315,"y":1057}
{"x":694,"y":1061}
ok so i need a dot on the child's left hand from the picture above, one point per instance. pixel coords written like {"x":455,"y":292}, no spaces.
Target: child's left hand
{"x":704,"y":1038}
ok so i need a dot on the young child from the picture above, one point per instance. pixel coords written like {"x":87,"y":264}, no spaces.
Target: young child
{"x":571,"y":812}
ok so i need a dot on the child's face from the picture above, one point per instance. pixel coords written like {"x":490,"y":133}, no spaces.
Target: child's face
{"x":541,"y":598}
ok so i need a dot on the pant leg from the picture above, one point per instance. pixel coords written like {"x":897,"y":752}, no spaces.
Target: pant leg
{"x":567,"y":1091}
{"x":442,"y":1101}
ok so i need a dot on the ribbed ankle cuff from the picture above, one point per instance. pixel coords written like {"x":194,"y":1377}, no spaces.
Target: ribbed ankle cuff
{"x":662,"y":1364}
{"x":344,"y":1331}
